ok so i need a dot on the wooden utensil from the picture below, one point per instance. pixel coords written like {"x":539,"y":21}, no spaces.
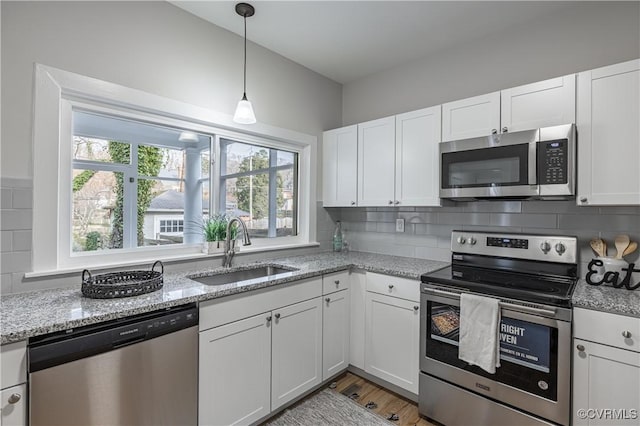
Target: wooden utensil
{"x":631,"y":248}
{"x":598,"y":247}
{"x":621,"y":242}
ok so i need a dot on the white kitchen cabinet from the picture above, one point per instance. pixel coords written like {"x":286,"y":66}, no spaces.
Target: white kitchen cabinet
{"x":545,"y":103}
{"x":471,"y":117}
{"x":609,"y":135}
{"x":392,"y":340}
{"x":339,"y":167}
{"x":235,"y":372}
{"x":335,"y":333}
{"x":296,"y":350}
{"x":376,"y":162}
{"x":417,"y":161}
{"x":542,"y":104}
{"x":606,"y":347}
{"x":14,"y":406}
{"x":357,"y":323}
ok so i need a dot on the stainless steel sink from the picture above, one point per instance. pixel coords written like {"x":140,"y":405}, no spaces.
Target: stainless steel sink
{"x":261,"y":273}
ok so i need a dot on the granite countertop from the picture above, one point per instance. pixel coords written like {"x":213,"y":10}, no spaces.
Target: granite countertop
{"x":607,"y":299}
{"x":25,"y":315}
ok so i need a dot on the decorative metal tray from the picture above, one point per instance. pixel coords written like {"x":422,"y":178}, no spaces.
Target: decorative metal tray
{"x":122,"y":284}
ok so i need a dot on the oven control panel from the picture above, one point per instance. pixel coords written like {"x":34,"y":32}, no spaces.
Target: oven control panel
{"x":553,"y":248}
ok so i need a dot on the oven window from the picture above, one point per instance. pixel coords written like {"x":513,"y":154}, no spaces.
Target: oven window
{"x":528,"y":351}
{"x":486,"y":167}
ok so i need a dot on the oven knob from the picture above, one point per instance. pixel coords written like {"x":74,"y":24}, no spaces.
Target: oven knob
{"x":472,"y":241}
{"x":461,"y":240}
{"x":560,"y":248}
{"x":545,"y":247}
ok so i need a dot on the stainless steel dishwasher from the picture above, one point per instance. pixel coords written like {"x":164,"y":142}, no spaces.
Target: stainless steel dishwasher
{"x":141,"y":370}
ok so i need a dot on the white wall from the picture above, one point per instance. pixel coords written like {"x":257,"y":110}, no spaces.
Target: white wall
{"x":155,"y":47}
{"x":582,"y":36}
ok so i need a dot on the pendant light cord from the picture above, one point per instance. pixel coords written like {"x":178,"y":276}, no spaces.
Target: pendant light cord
{"x":244,"y":95}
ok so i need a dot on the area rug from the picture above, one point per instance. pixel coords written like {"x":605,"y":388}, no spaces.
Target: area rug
{"x":328,"y":408}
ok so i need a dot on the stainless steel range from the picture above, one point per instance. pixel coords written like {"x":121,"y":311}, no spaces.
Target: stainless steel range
{"x":533,"y":276}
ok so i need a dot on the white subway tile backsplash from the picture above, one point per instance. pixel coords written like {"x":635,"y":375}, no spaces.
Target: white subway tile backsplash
{"x":17,"y":261}
{"x":15,"y":220}
{"x":6,"y":240}
{"x":5,"y":283}
{"x":493,"y":207}
{"x":22,"y":198}
{"x":21,"y":240}
{"x":599,"y":222}
{"x":464,"y":218}
{"x":523,"y":219}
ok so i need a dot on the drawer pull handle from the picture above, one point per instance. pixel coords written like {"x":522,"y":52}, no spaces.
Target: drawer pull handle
{"x":390,"y":286}
{"x":415,"y":308}
{"x":580,"y":348}
{"x":337,"y":282}
{"x":14,"y":398}
{"x":277,"y":316}
{"x":626,"y":334}
{"x":328,"y":299}
{"x":269,"y":318}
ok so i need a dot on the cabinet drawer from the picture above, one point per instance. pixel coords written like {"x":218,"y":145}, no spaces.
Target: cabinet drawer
{"x":335,"y":282}
{"x":244,"y":305}
{"x":13,"y":410}
{"x":608,"y":329}
{"x":393,"y":286}
{"x":13,"y":363}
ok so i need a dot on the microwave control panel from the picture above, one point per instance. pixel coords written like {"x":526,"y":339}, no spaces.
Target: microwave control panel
{"x":552,"y":162}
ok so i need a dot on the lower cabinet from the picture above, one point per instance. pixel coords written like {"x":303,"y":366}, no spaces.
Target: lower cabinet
{"x":392,"y":340}
{"x":14,"y":406}
{"x":296,"y":348}
{"x":335,"y":333}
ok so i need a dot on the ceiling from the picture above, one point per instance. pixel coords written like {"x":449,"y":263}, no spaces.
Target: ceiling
{"x":348,"y":40}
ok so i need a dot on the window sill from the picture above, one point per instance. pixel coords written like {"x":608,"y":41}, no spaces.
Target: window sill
{"x":167,"y":259}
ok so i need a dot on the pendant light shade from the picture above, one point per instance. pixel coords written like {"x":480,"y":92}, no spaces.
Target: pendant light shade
{"x":244,"y":111}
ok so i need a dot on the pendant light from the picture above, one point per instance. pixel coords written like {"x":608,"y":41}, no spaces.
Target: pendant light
{"x":244,"y":112}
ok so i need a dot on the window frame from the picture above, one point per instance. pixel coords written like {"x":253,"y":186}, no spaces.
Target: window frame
{"x":55,"y":93}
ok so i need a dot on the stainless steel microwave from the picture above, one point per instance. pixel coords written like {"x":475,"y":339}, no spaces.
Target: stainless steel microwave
{"x":537,"y":163}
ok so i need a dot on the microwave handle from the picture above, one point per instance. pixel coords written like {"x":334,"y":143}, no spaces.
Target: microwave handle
{"x":533,"y":163}
{"x":527,"y":309}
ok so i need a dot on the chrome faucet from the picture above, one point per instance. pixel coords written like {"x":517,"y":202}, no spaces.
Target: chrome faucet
{"x":230,"y":251}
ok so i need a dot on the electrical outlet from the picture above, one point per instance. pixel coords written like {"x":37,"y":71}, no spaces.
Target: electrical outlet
{"x":399,"y":225}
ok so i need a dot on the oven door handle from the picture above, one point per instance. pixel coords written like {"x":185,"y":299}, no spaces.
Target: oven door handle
{"x":520,"y":308}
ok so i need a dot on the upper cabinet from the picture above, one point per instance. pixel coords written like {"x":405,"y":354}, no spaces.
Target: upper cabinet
{"x":609,"y":135}
{"x":376,"y":162}
{"x":545,"y":103}
{"x":339,"y":166}
{"x":417,"y":160}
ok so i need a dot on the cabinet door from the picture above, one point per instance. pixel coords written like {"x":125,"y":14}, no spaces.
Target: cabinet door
{"x":542,"y":104}
{"x":296,"y":350}
{"x":605,"y":378}
{"x":609,"y":135}
{"x":376,"y":162}
{"x":392,"y":339}
{"x":339,"y":167}
{"x":14,"y":406}
{"x":417,"y":159}
{"x":356,"y":336}
{"x":335,"y":333}
{"x":235,"y":372}
{"x":471,"y":118}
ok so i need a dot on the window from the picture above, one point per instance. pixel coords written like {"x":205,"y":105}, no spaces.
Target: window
{"x":259,"y":185}
{"x":110,"y":164}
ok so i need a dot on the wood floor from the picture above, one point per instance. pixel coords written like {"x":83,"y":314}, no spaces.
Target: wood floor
{"x":387,"y":402}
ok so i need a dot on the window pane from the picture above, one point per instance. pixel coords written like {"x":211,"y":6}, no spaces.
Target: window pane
{"x":205,"y":162}
{"x":241,"y":157}
{"x":285,"y":158}
{"x":100,"y":150}
{"x":286,"y":200}
{"x":247,"y":197}
{"x":160,"y":207}
{"x":95,"y":210}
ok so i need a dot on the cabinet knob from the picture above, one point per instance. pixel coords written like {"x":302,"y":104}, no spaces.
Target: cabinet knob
{"x":337,"y":282}
{"x":390,"y":202}
{"x":415,"y":308}
{"x":584,"y":199}
{"x":269,"y":318}
{"x":14,"y":398}
{"x":580,"y":348}
{"x":328,"y":299}
{"x":390,"y":286}
{"x":494,"y":131}
{"x":396,"y":202}
{"x":277,"y":316}
{"x":353,"y":203}
{"x":626,"y":334}
{"x":505,"y":129}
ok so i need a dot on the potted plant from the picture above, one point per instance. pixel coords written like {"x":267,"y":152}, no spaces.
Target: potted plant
{"x":214,"y":230}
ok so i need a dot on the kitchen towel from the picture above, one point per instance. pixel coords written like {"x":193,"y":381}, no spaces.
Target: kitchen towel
{"x":479,"y":343}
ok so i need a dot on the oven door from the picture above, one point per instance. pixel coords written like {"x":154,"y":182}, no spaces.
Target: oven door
{"x":534,"y":375}
{"x":494,"y":166}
